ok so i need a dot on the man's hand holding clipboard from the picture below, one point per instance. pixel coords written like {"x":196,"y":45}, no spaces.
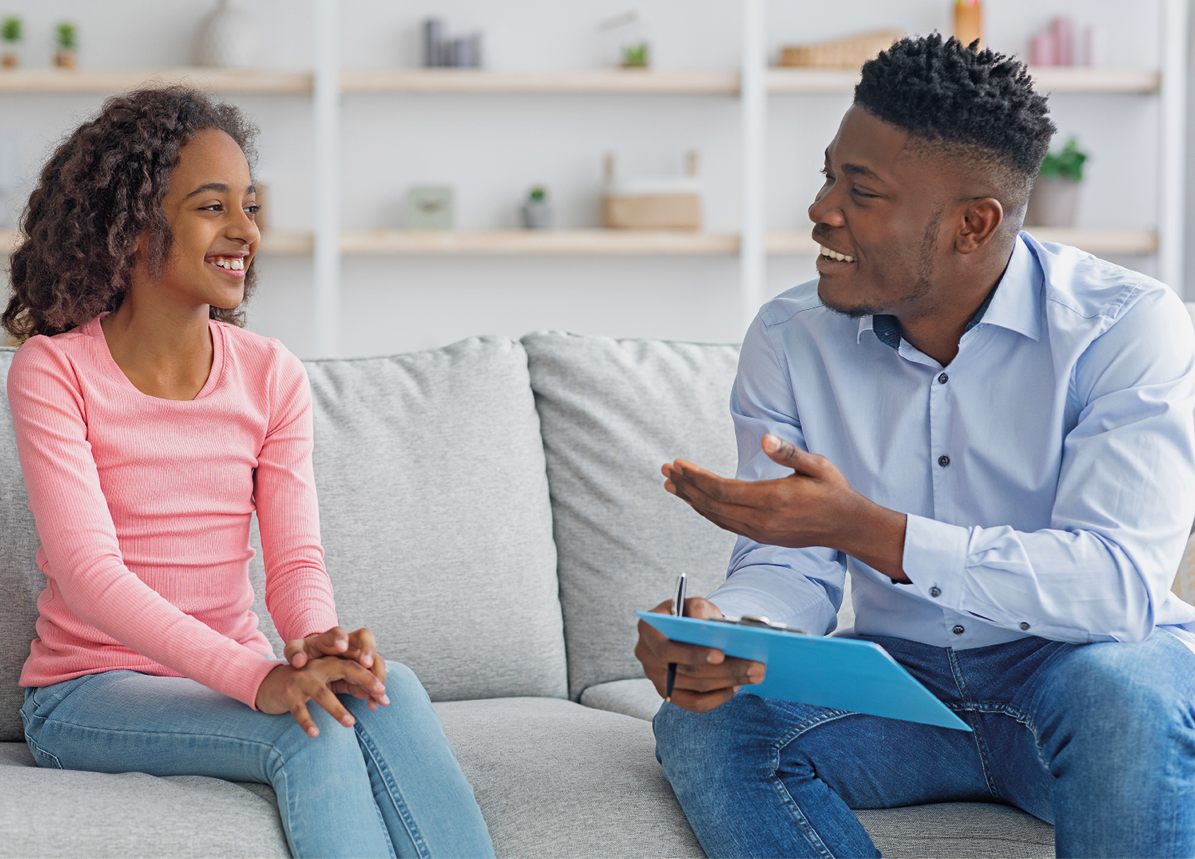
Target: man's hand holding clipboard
{"x":705,"y":677}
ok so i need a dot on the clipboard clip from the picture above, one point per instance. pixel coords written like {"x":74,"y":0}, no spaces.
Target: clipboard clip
{"x":757,"y":621}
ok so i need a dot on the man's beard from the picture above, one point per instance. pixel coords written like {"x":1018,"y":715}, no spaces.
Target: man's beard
{"x":921,"y":286}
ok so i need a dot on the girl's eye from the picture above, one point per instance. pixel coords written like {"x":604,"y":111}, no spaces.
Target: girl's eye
{"x":214,"y":207}
{"x":253,"y":209}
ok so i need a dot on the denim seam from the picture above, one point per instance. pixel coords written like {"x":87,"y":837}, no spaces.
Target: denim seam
{"x":404,"y":812}
{"x":794,"y":809}
{"x":1013,"y":712}
{"x":38,"y":750}
{"x":981,"y":743}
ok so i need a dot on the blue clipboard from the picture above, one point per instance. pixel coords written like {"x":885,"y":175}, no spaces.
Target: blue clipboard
{"x":842,"y":673}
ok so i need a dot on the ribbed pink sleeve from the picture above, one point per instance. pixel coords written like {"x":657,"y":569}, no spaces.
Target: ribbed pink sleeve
{"x":143,"y":510}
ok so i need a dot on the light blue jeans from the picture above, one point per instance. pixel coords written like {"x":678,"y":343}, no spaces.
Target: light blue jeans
{"x":1098,"y":739}
{"x":388,"y":786}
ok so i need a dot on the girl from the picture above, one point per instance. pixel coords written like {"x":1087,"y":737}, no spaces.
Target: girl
{"x":150,"y":427}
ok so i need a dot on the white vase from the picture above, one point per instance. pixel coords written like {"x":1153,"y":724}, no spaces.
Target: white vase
{"x":228,"y":38}
{"x":1052,"y":203}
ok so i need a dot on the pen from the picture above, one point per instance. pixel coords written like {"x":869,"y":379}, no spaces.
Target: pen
{"x":678,"y":609}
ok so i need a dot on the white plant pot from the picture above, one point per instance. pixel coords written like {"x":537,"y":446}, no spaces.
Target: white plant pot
{"x":228,"y":38}
{"x":1052,"y":203}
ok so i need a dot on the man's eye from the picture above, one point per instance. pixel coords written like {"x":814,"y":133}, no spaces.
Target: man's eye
{"x":859,"y":193}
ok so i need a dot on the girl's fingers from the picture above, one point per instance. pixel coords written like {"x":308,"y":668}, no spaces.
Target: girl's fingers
{"x":327,"y":699}
{"x":299,"y":711}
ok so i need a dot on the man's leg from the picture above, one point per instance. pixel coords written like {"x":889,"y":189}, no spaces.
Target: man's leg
{"x":763,"y":777}
{"x":1113,"y":734}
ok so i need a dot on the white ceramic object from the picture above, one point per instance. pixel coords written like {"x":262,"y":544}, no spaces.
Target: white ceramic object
{"x":229,"y":38}
{"x":1052,"y":203}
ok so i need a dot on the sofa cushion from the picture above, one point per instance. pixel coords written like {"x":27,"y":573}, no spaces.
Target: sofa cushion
{"x":554,"y":778}
{"x":70,"y":813}
{"x":435,"y":519}
{"x":612,"y":412}
{"x":20,"y":579}
{"x":634,"y":697}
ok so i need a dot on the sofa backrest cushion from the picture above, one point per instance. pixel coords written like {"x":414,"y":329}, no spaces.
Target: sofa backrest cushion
{"x":612,"y":412}
{"x":20,"y":579}
{"x":435,"y":517}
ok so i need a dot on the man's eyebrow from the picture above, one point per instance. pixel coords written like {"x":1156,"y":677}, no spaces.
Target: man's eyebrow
{"x":860,"y":170}
{"x":219,"y":187}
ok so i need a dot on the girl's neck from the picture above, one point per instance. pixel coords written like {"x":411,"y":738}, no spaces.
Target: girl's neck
{"x":165,"y":352}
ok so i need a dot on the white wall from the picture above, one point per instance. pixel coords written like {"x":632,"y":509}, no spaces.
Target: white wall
{"x":492,"y":148}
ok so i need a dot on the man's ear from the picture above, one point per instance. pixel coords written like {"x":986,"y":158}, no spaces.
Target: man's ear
{"x":981,"y":219}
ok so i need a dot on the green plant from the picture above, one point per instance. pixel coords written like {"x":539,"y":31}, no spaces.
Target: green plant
{"x":537,"y":194}
{"x":11,"y":30}
{"x":68,"y":36}
{"x":636,"y":56}
{"x":1067,"y":163}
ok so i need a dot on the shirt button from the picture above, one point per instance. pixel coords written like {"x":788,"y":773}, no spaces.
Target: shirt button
{"x":943,"y":460}
{"x":1024,"y":626}
{"x":943,"y":379}
{"x":958,"y":629}
{"x":935,"y":592}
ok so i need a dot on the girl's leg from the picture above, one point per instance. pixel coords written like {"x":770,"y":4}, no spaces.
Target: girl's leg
{"x":427,"y":803}
{"x":122,"y":721}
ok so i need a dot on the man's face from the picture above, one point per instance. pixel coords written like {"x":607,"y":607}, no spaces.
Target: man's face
{"x":881,"y":208}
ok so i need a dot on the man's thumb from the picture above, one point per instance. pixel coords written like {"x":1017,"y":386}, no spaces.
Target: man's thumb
{"x":782,"y":452}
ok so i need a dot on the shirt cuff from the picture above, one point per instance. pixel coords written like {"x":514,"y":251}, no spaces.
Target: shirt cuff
{"x":935,"y":558}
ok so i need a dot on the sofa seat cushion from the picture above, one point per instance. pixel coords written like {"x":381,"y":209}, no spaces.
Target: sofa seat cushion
{"x":554,"y":778}
{"x":636,"y":697}
{"x":70,"y":813}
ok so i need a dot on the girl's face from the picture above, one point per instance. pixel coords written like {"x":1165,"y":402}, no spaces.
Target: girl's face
{"x":210,"y":207}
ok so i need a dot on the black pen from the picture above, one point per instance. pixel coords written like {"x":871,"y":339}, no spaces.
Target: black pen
{"x":678,"y":609}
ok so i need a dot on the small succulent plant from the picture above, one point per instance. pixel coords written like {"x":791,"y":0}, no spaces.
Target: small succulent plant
{"x":11,"y":30}
{"x":1067,"y":163}
{"x":636,"y":56}
{"x":537,"y":194}
{"x":68,"y":36}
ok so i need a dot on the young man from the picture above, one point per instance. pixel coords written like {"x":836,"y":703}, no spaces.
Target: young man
{"x":995,"y":437}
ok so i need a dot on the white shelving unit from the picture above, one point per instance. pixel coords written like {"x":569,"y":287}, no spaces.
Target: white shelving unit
{"x":752,"y":84}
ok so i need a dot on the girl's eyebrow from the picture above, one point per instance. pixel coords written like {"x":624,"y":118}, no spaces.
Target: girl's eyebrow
{"x":219,"y":187}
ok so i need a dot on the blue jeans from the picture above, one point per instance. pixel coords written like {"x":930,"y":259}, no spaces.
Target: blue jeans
{"x":1098,"y":739}
{"x":388,"y":786}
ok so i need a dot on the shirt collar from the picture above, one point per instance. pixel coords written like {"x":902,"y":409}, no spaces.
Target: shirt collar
{"x":1014,"y":304}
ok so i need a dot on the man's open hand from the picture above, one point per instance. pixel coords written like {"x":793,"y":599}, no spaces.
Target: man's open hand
{"x":705,"y":677}
{"x":813,"y":506}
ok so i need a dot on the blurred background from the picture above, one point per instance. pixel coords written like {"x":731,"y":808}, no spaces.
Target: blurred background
{"x":435,"y":170}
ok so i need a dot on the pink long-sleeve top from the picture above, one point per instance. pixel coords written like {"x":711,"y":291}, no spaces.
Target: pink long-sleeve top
{"x":143,"y":508}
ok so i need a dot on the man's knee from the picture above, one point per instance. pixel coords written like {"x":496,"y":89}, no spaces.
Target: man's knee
{"x":1134,"y":698}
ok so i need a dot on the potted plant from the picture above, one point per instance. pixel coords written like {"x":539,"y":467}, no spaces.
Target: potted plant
{"x":636,"y":56}
{"x":66,"y":36}
{"x":537,"y":214}
{"x":1056,"y":190}
{"x":11,"y":34}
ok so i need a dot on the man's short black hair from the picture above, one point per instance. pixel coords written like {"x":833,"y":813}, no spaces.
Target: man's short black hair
{"x":979,"y":103}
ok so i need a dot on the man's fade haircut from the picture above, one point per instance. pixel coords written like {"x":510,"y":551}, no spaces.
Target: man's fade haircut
{"x":101,"y":190}
{"x":976,"y":105}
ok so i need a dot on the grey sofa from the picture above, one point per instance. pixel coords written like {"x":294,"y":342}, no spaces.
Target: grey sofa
{"x":494,"y":511}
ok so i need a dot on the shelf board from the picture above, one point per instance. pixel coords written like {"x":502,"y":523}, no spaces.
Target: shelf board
{"x":1051,"y":79}
{"x":584,"y":81}
{"x":540,"y":242}
{"x":1085,"y":79}
{"x":779,"y":80}
{"x":1099,"y":241}
{"x":120,"y":80}
{"x":621,"y":242}
{"x":1095,"y":241}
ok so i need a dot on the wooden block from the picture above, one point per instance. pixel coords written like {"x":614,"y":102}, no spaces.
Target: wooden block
{"x":652,"y":212}
{"x":839,"y":54}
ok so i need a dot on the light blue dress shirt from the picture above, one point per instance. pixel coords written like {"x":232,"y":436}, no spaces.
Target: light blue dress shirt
{"x":1048,"y":472}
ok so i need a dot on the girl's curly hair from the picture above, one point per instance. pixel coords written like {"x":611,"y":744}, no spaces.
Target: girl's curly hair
{"x":101,"y":189}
